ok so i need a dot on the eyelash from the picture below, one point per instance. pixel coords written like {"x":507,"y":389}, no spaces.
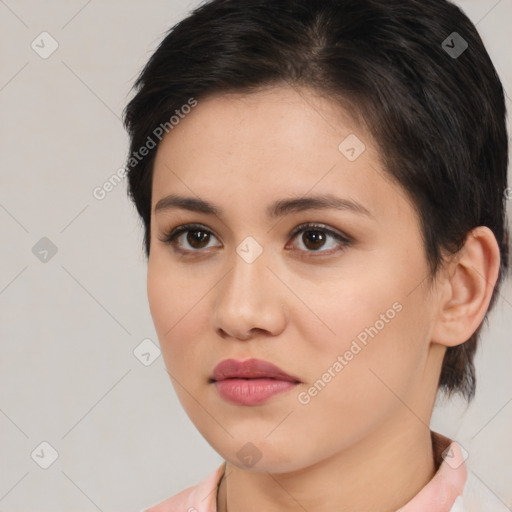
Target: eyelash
{"x":170,"y":237}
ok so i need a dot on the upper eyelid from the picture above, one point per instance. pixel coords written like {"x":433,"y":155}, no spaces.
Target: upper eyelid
{"x":319,"y":225}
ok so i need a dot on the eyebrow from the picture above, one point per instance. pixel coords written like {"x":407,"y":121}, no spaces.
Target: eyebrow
{"x":277,"y":209}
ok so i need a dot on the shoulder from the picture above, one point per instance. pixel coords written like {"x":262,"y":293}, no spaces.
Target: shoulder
{"x":479,"y":497}
{"x":174,"y":503}
{"x":196,"y":498}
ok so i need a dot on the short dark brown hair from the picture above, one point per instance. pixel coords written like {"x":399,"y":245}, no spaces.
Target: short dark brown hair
{"x":416,"y":72}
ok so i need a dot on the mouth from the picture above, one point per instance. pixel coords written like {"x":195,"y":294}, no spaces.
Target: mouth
{"x":250,"y":382}
{"x":250,"y":369}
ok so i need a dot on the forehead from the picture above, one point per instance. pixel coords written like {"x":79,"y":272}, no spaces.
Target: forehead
{"x":280,"y":141}
{"x":275,"y":119}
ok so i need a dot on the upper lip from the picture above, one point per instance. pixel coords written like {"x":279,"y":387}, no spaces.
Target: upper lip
{"x":250,"y":369}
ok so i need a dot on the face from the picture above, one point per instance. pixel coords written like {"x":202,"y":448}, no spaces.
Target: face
{"x":334,"y":295}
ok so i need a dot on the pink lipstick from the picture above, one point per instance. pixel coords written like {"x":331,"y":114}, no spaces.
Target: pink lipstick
{"x":250,"y":382}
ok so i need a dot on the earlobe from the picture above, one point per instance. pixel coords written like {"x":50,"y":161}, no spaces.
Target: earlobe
{"x":467,"y":287}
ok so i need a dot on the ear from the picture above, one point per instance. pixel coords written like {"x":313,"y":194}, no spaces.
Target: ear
{"x":465,"y":288}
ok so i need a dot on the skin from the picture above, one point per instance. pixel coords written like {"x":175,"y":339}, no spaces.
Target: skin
{"x":300,"y":308}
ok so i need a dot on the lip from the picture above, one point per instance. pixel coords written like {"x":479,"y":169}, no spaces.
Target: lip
{"x":250,"y":382}
{"x":250,"y":369}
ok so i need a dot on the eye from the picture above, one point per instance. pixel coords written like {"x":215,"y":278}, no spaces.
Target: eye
{"x":195,"y":236}
{"x":314,"y":237}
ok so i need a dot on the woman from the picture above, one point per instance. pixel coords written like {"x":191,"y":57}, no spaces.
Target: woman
{"x":322,"y":190}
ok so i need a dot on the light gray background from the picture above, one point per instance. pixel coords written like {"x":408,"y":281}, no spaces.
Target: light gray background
{"x":69,"y":326}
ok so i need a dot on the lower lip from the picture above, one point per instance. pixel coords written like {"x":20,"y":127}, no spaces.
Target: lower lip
{"x":251,"y":391}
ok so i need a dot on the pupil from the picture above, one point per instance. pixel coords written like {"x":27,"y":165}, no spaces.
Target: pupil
{"x":315,"y":240}
{"x":196,"y":237}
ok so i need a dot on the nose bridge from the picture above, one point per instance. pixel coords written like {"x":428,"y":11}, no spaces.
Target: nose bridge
{"x":249,"y":296}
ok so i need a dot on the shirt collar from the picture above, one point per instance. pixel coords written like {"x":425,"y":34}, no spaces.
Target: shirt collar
{"x":442,"y":493}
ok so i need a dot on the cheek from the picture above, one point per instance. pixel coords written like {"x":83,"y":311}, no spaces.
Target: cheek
{"x":173,"y":302}
{"x":346,"y":398}
{"x":371,"y":331}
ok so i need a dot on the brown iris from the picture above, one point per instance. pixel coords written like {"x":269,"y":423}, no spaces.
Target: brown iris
{"x":197,"y":237}
{"x":313,"y":239}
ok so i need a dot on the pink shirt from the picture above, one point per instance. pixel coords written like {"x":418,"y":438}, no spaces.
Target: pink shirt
{"x":448,"y":491}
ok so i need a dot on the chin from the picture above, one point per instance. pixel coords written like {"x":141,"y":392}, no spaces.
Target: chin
{"x":264,"y":455}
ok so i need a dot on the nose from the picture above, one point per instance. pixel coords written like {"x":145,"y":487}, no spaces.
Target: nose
{"x":250,"y":301}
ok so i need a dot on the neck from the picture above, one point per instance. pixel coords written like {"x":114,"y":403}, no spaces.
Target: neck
{"x":380,"y":473}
